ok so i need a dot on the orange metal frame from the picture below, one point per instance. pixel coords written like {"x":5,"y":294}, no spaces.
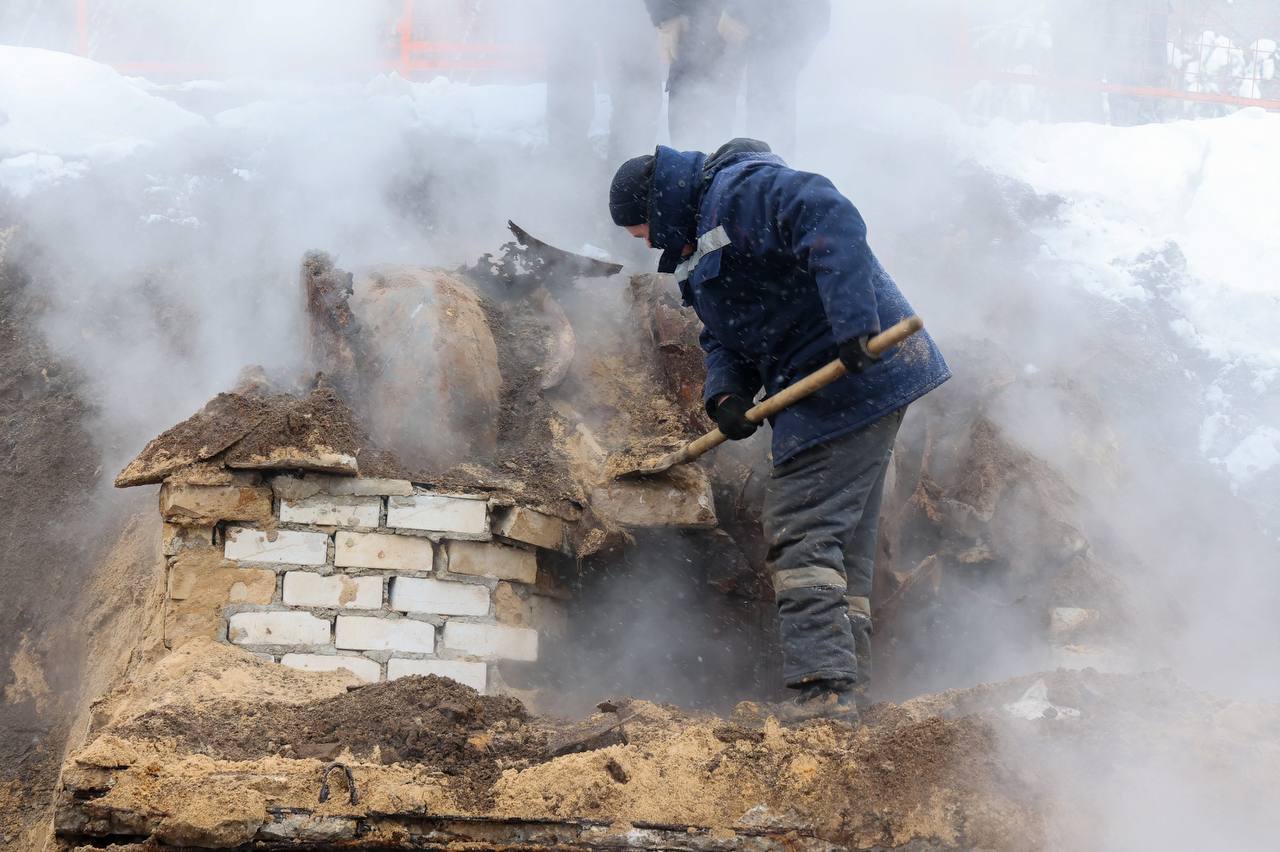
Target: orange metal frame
{"x":1181,"y":13}
{"x":1126,"y":89}
{"x":436,"y":56}
{"x":415,"y":56}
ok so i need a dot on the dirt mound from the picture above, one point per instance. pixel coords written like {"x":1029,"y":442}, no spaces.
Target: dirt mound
{"x":205,"y":752}
{"x":52,"y":538}
{"x":863,"y":787}
{"x":225,"y":419}
{"x":317,"y":432}
{"x":433,"y":722}
{"x":255,"y":430}
{"x":1042,"y":761}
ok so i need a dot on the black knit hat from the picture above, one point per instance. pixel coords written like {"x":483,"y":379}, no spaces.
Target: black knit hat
{"x":629,"y":193}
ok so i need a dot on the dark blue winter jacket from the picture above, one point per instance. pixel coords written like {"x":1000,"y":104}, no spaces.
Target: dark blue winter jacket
{"x":781,"y":275}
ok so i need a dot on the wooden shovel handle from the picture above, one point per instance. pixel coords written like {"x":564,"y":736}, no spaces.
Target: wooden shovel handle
{"x":807,"y":386}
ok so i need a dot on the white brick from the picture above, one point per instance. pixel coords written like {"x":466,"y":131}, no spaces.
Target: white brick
{"x":362,"y":667}
{"x":278,"y":628}
{"x":333,"y":511}
{"x":385,"y":634}
{"x":530,"y":527}
{"x":294,"y":488}
{"x":411,"y":594}
{"x":303,"y":588}
{"x":474,"y":675}
{"x":483,"y":559}
{"x":491,"y":640}
{"x":288,"y":546}
{"x":438,"y":513}
{"x":382,"y":550}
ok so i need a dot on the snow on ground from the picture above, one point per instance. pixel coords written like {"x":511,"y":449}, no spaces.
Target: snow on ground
{"x":58,"y":112}
{"x":1208,"y":187}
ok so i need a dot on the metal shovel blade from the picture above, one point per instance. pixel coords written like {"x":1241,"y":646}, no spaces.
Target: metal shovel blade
{"x":566,"y":262}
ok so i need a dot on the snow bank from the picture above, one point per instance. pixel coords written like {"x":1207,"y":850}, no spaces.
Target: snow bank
{"x":58,"y":111}
{"x":1209,"y":186}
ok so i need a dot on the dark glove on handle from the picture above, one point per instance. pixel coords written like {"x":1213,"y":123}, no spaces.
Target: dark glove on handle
{"x":855,"y":355}
{"x":731,"y":416}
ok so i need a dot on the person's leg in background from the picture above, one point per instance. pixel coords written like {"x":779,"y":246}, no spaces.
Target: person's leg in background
{"x":633,"y":71}
{"x":703,"y":85}
{"x":777,"y":51}
{"x":571,"y":78}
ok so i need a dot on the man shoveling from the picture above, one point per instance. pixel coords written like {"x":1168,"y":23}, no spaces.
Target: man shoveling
{"x":776,"y":264}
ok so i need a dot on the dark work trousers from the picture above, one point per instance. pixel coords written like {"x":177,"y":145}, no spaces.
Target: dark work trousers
{"x":605,"y":44}
{"x":821,"y":516}
{"x":774,"y":63}
{"x":702,"y":88}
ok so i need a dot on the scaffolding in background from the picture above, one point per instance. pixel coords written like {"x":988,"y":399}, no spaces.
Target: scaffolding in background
{"x":1132,"y":60}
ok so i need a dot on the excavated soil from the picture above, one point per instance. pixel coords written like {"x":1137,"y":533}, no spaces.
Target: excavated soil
{"x":195,"y":754}
{"x":318,"y":423}
{"x":433,"y":722}
{"x":211,"y":747}
{"x":70,"y":601}
{"x":225,"y":419}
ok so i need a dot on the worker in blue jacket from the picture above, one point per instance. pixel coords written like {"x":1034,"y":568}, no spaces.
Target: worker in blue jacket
{"x":776,"y":264}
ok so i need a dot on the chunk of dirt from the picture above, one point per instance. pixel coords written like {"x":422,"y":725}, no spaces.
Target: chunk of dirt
{"x":316,"y":433}
{"x":434,"y":722}
{"x":645,"y":451}
{"x":225,"y":419}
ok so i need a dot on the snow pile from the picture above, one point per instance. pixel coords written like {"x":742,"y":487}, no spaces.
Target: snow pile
{"x":59,"y":112}
{"x":1206,"y":189}
{"x":1208,"y":186}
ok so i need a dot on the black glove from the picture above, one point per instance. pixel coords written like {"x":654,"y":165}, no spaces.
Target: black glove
{"x":730,"y":415}
{"x":855,"y":355}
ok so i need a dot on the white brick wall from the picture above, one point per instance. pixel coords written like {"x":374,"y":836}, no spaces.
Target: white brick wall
{"x":303,"y":588}
{"x":411,"y":594}
{"x":362,"y":667}
{"x":382,"y":550}
{"x":384,"y":634}
{"x":439,"y":513}
{"x":474,"y":675}
{"x":491,"y":640}
{"x":333,"y":511}
{"x":288,"y":546}
{"x":484,"y":559}
{"x":278,"y":628}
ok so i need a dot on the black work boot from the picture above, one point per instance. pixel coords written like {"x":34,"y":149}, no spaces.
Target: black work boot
{"x":822,"y":699}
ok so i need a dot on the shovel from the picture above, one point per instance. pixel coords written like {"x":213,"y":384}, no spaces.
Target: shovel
{"x":783,"y":399}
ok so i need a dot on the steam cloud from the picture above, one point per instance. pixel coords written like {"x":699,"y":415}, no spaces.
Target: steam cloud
{"x":169,"y":253}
